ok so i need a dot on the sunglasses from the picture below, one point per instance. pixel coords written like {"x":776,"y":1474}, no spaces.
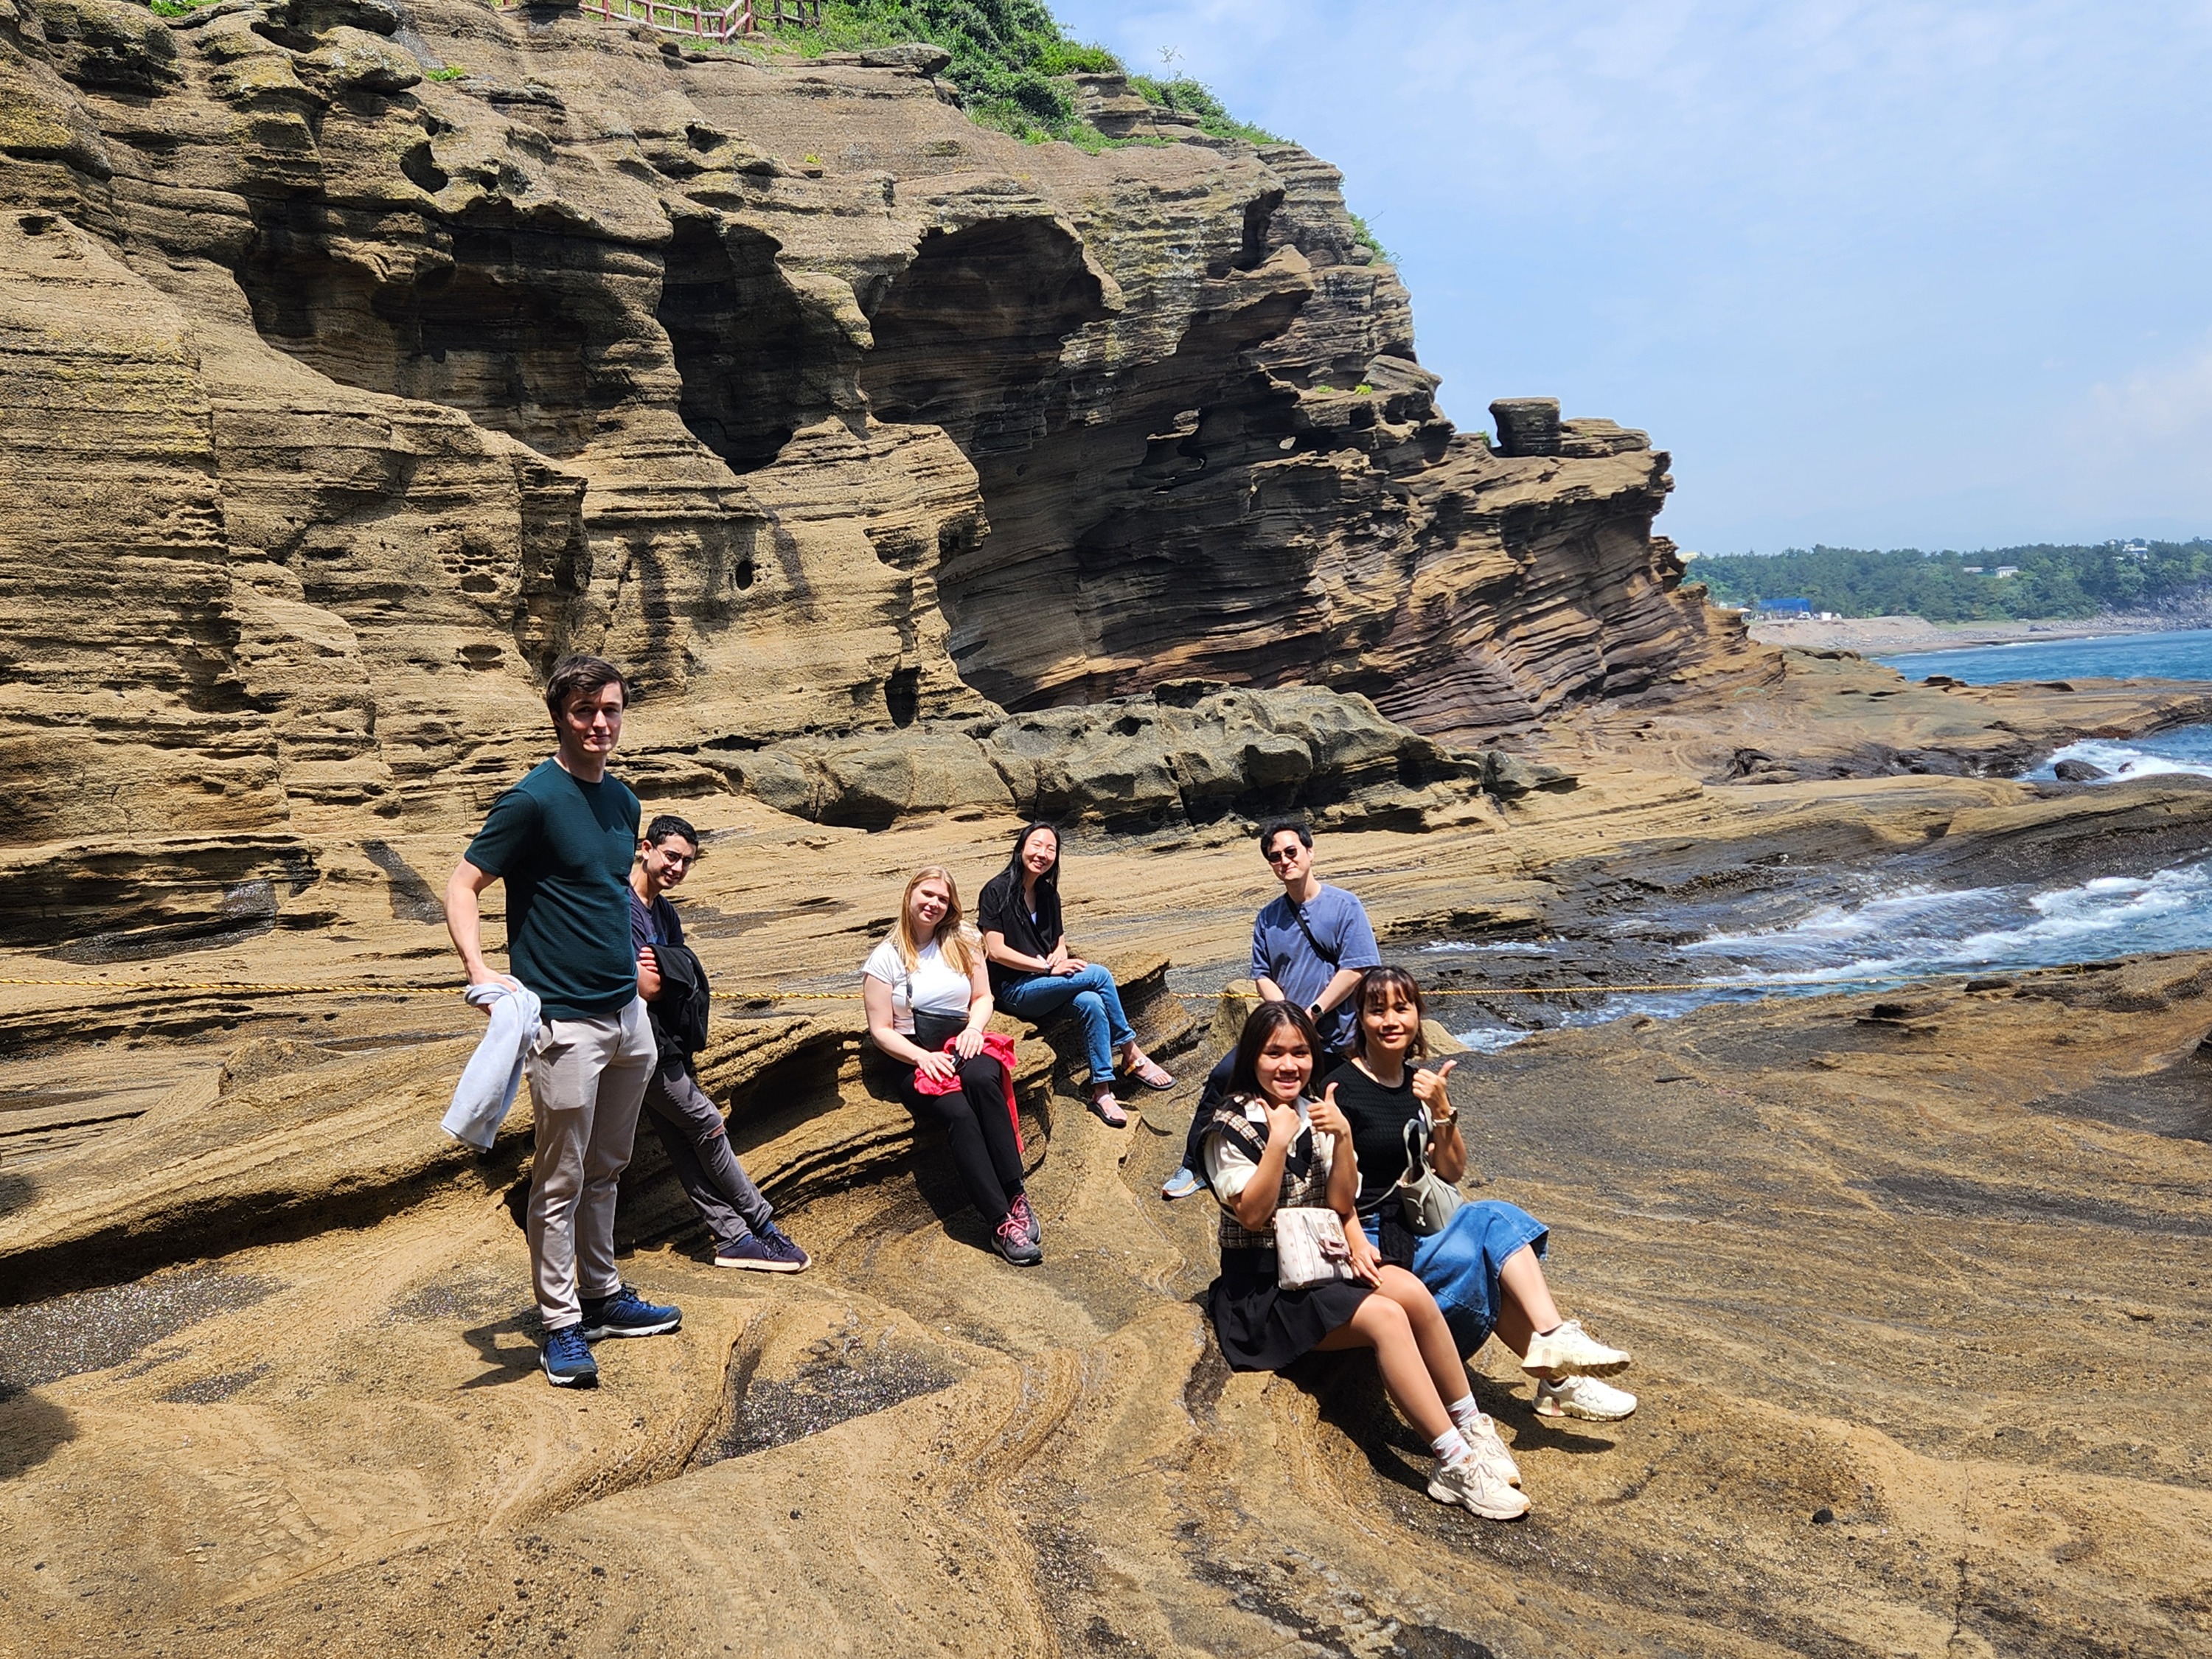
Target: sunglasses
{"x":1285,"y":854}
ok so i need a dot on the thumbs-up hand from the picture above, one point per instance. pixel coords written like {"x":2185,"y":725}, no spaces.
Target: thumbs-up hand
{"x":1327,"y":1116}
{"x":1429,"y":1090}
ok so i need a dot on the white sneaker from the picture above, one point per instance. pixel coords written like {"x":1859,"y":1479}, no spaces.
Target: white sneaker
{"x":1473,"y":1483}
{"x":1571,"y":1352}
{"x":1584,"y":1397}
{"x":1480,"y":1432}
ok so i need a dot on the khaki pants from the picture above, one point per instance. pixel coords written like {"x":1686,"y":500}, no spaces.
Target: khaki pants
{"x":586,"y":1079}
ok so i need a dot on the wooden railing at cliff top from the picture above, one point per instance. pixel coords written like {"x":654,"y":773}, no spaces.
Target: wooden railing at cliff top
{"x":707,"y":22}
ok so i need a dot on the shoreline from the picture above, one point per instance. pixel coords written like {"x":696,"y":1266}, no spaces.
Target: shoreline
{"x":1912,"y":636}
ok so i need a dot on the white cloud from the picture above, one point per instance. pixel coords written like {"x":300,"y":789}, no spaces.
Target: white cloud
{"x":1821,"y":248}
{"x":2167,"y":405}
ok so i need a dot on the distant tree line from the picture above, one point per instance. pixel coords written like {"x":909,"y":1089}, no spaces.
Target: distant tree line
{"x":2044,"y":580}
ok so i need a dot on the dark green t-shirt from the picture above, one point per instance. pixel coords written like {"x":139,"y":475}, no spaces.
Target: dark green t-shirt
{"x":564,"y":849}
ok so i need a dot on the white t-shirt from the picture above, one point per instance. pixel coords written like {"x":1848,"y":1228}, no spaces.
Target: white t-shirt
{"x":935,"y":986}
{"x":1228,"y":1170}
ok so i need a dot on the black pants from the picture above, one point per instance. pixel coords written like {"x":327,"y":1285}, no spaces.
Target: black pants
{"x":975,"y":1120}
{"x":1216,"y":1085}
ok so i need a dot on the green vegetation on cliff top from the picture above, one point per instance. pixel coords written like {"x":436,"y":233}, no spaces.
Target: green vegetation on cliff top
{"x":2042,"y":581}
{"x":1009,"y":62}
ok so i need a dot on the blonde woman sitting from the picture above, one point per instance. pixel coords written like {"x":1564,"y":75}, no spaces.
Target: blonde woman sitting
{"x":925,"y":992}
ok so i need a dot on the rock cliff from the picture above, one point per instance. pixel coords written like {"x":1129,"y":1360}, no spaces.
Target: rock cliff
{"x":358,"y":357}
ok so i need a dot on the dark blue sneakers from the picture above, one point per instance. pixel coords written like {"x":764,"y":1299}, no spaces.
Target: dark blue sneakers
{"x":767,"y":1251}
{"x":568,"y":1362}
{"x":626,"y":1313}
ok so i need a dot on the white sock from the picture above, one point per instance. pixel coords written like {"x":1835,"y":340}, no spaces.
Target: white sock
{"x":1450,"y":1447}
{"x":1465,"y":1413}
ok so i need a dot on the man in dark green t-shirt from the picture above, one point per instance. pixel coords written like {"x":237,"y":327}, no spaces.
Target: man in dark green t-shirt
{"x":563,"y":839}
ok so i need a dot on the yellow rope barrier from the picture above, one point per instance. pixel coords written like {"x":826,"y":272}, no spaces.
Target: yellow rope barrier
{"x":257,"y":988}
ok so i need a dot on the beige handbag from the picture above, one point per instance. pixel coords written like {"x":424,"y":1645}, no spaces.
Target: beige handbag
{"x":1428,"y":1200}
{"x":1311,"y":1247}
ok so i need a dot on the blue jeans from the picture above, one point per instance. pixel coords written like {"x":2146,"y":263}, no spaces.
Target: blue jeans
{"x":1098,"y":1005}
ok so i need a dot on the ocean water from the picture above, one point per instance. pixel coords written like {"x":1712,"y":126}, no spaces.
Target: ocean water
{"x":1865,"y":931}
{"x":2182,"y":655}
{"x":1870,"y":936}
{"x":2186,"y":750}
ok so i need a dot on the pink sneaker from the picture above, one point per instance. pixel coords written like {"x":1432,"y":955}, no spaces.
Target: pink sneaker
{"x":1011,"y":1240}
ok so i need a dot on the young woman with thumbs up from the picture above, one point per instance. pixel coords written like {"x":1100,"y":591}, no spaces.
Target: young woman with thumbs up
{"x":1271,"y":1150}
{"x":1484,"y":1267}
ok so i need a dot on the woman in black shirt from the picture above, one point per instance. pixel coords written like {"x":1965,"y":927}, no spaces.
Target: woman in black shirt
{"x":1034,"y":975}
{"x":1483,"y":1266}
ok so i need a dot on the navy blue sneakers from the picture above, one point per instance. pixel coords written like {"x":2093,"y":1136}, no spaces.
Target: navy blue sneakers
{"x":568,"y":1362}
{"x":626,"y":1313}
{"x":767,"y":1251}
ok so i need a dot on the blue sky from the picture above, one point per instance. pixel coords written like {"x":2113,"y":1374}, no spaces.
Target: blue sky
{"x":1877,"y":273}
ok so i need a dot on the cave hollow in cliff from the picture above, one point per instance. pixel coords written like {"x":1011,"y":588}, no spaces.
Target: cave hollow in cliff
{"x":967,"y":336}
{"x":474,"y":322}
{"x":755,"y":365}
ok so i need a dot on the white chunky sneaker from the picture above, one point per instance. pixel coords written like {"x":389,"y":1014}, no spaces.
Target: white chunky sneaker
{"x":1584,"y":1397}
{"x":1571,"y":1352}
{"x":1473,"y":1485}
{"x":1480,"y":1432}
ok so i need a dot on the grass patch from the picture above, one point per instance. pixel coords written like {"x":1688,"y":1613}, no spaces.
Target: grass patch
{"x":1012,"y":65}
{"x":451,"y":72}
{"x":1368,"y":239}
{"x":1187,"y":97}
{"x":177,"y":8}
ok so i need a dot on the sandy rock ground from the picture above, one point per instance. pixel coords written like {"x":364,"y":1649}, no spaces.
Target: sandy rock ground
{"x":1914,"y":1281}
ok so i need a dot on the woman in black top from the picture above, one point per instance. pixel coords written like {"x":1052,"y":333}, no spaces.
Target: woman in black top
{"x":1034,"y":975}
{"x":1483,"y":1266}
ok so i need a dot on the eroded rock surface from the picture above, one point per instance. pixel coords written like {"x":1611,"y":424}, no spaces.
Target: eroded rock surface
{"x":360,"y":359}
{"x":1923,"y":1263}
{"x":357,"y":357}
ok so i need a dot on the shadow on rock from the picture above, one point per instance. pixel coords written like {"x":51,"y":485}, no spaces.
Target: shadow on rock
{"x":16,"y":1192}
{"x":31,"y":1429}
{"x":1347,"y":1394}
{"x":508,"y":1363}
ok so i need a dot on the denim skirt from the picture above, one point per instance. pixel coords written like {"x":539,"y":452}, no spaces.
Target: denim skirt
{"x":1460,"y":1264}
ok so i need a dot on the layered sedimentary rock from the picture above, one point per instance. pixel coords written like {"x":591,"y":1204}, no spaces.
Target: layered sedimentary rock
{"x":357,"y":358}
{"x":1910,"y":1278}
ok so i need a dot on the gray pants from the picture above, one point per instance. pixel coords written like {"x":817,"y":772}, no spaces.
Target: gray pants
{"x":586,"y":1079}
{"x":690,"y":1127}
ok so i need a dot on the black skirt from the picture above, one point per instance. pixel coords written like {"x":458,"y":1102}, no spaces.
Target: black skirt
{"x":1262,"y":1326}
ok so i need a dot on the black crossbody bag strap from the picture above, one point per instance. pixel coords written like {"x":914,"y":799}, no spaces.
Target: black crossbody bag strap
{"x":1331,"y":958}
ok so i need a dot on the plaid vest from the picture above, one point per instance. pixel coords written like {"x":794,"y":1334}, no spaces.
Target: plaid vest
{"x":1306,"y":1178}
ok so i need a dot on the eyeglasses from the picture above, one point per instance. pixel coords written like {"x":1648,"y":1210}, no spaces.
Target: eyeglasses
{"x":1285,"y":855}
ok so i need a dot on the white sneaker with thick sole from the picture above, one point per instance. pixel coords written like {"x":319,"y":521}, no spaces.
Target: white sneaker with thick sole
{"x":1571,"y":1352}
{"x":1482,"y":1440}
{"x":1584,"y":1397}
{"x":1471,"y":1484}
